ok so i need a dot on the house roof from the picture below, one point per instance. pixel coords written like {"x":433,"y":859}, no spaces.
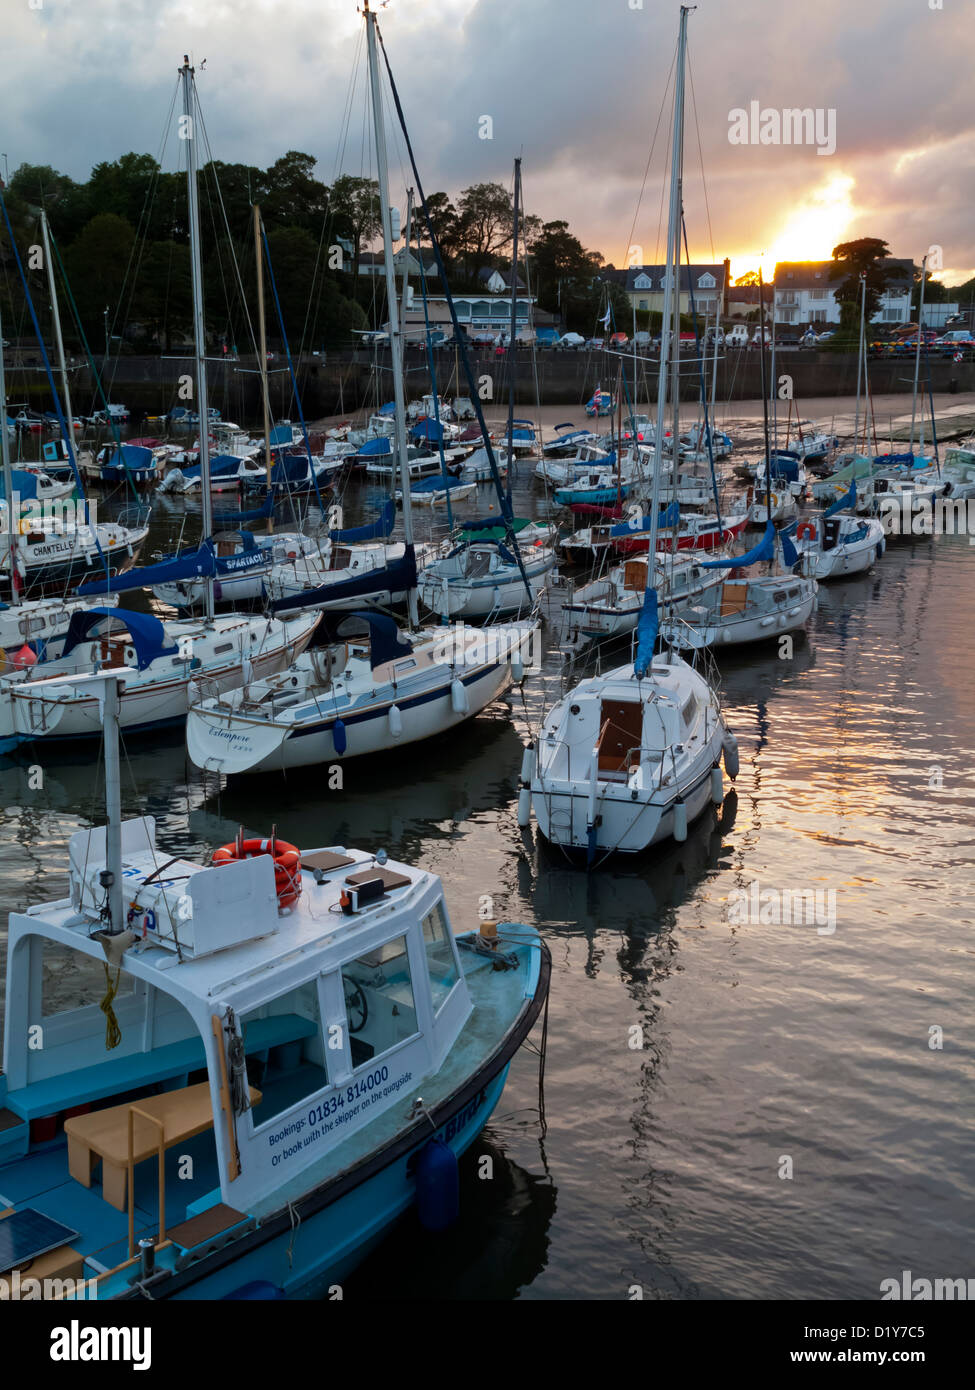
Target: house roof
{"x":815,"y":275}
{"x":657,"y":272}
{"x":485,"y":273}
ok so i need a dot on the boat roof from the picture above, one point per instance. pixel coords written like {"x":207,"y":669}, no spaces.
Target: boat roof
{"x":312,"y":936}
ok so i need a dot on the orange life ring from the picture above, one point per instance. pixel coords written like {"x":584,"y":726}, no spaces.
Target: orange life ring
{"x":287,"y":864}
{"x":806,"y":528}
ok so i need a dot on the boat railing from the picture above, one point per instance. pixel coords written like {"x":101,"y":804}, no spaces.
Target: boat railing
{"x":130,"y":1170}
{"x":135,"y":517}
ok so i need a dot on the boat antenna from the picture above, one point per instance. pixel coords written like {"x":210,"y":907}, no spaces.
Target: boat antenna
{"x":512,"y":354}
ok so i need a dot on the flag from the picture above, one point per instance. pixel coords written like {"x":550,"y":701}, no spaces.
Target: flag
{"x":607,"y":318}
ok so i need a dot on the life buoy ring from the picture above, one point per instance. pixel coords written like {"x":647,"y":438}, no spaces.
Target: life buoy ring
{"x":806,"y":528}
{"x":287,"y":864}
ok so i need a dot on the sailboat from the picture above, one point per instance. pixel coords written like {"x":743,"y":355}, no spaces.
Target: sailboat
{"x":164,"y":663}
{"x":377,"y":694}
{"x":756,"y":607}
{"x":301,"y":1028}
{"x":488,"y":578}
{"x":836,"y":542}
{"x":631,"y":757}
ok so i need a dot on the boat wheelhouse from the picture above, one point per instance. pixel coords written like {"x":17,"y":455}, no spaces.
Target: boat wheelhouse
{"x":275,"y":1086}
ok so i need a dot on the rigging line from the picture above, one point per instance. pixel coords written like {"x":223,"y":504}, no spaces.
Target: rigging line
{"x":113,"y":427}
{"x":700,"y":151}
{"x":65,"y":432}
{"x":294,"y":383}
{"x":226,"y":223}
{"x":505,"y":508}
{"x":653,"y":143}
{"x":704,"y":390}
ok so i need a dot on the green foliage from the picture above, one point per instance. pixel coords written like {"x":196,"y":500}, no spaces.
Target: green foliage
{"x":851,"y":260}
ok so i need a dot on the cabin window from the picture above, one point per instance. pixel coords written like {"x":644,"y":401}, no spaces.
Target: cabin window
{"x":779,"y":596}
{"x":689,"y":711}
{"x":440,"y":956}
{"x":223,"y":647}
{"x":286,"y":1058}
{"x":379,"y":1001}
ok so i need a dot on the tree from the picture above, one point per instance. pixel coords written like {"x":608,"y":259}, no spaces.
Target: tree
{"x":485,"y":215}
{"x":97,"y":262}
{"x":563,"y":271}
{"x":851,"y":260}
{"x":294,"y":197}
{"x":443,"y":220}
{"x":356,"y":214}
{"x":750,"y":277}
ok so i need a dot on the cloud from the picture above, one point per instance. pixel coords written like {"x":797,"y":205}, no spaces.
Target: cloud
{"x":575,"y":86}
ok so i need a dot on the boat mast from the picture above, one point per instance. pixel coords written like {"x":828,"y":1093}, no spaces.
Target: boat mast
{"x":917,"y":353}
{"x":512,"y":355}
{"x":860,"y":353}
{"x":113,"y":803}
{"x":262,"y":336}
{"x":8,"y":482}
{"x":395,"y":335}
{"x":673,"y":227}
{"x":199,"y":332}
{"x":56,"y":316}
{"x":761,"y":349}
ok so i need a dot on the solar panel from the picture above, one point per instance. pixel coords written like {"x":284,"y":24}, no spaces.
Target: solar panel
{"x":24,"y":1235}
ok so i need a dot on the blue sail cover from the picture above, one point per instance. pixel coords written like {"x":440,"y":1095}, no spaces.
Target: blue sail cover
{"x":377,"y":530}
{"x":503,"y":552}
{"x":198,"y":564}
{"x":639,"y":525}
{"x":221,"y":466}
{"x":25,"y":484}
{"x":375,"y":448}
{"x":438,"y":483}
{"x":428,"y":429}
{"x":765,"y":550}
{"x":646,"y":631}
{"x":132,"y":457}
{"x":396,"y":577}
{"x":281,"y":434}
{"x":147,"y":633}
{"x":789,"y":554}
{"x":388,"y":409}
{"x":785,"y":467}
{"x":386,"y":641}
{"x":848,"y":500}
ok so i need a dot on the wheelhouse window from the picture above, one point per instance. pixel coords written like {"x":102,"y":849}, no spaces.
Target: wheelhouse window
{"x":440,"y":956}
{"x":285,"y":1050}
{"x":379,"y":1001}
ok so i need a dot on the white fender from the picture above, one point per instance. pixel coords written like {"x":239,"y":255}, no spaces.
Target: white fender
{"x":528,"y":763}
{"x":458,"y":697}
{"x":717,"y":785}
{"x":524,"y":806}
{"x":517,"y":670}
{"x":395,"y":721}
{"x":731,"y":759}
{"x":680,"y":821}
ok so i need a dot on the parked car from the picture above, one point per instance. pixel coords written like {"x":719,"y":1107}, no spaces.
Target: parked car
{"x":958,"y":340}
{"x":482,"y":339}
{"x":642,"y":340}
{"x":737,"y":336}
{"x":618,"y":340}
{"x":571,"y":342}
{"x":595,"y":344}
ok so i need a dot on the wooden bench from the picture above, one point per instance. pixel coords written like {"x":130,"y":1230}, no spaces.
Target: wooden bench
{"x":105,"y":1135}
{"x":113,"y":1076}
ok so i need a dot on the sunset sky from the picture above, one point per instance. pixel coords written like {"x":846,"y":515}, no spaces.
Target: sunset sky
{"x":576,"y":87}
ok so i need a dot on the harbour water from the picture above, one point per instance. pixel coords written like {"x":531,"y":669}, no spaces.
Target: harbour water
{"x":734,"y":1107}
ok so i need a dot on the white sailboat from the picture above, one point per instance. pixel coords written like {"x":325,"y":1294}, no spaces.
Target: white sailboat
{"x":163,"y":663}
{"x":631,"y":757}
{"x":373,"y":696}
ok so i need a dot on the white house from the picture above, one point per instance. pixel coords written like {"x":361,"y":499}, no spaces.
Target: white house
{"x":804,"y":293}
{"x":645,"y":288}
